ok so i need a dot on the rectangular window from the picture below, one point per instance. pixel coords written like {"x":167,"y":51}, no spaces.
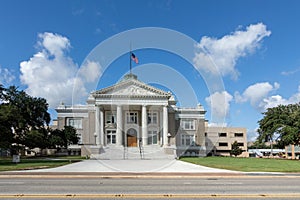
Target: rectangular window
{"x":222,"y":134}
{"x":110,"y":118}
{"x":187,"y":140}
{"x":223,"y":144}
{"x":111,"y":137}
{"x":75,"y":122}
{"x":188,"y":124}
{"x":238,"y":134}
{"x":132,"y":118}
{"x":152,"y":137}
{"x":241,"y":144}
{"x":152,"y":118}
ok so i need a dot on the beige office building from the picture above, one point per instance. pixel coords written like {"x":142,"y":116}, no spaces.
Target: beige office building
{"x":133,"y":120}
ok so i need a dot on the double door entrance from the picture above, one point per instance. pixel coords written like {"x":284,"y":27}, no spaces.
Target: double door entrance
{"x":131,"y":137}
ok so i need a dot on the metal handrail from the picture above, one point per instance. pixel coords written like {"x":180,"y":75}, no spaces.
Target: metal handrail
{"x":141,"y":149}
{"x":125,"y":152}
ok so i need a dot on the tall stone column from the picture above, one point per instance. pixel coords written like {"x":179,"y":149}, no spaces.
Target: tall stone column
{"x":101,"y":134}
{"x":165,"y":125}
{"x":161,"y":141}
{"x":144,"y":126}
{"x":119,"y":126}
{"x":97,"y":125}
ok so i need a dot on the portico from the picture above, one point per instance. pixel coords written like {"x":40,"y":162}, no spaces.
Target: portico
{"x":131,"y":125}
{"x":131,"y":114}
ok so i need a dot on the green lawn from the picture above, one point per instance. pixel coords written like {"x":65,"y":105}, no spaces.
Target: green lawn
{"x":247,"y":164}
{"x":36,"y":163}
{"x":237,"y":164}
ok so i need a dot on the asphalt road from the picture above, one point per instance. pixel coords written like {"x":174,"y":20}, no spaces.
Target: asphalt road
{"x":96,"y":187}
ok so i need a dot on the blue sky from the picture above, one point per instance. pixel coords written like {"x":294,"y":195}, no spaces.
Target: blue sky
{"x":254,"y":45}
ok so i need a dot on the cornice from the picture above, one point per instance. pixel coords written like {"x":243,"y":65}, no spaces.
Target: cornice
{"x":138,"y":83}
{"x":113,"y":96}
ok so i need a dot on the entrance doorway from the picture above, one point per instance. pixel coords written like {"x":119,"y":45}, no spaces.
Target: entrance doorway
{"x":131,"y":138}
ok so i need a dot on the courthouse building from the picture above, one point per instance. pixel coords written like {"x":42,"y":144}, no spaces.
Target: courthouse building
{"x":133,"y":120}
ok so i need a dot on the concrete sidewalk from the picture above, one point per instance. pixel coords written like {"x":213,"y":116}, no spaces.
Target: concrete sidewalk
{"x":134,"y":166}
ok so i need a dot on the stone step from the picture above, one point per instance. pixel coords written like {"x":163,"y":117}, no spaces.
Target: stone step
{"x":116,"y":153}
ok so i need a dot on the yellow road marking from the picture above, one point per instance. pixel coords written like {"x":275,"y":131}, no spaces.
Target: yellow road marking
{"x":153,"y":196}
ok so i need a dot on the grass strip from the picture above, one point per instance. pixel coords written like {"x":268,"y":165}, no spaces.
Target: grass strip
{"x":6,"y":164}
{"x":247,"y":164}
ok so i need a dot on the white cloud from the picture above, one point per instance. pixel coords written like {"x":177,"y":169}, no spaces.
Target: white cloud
{"x":287,"y":73}
{"x":252,"y":135}
{"x":214,"y":124}
{"x":219,"y":103}
{"x":272,"y":101}
{"x":259,"y":96}
{"x":256,"y":92}
{"x":276,"y":100}
{"x":6,"y":76}
{"x":90,"y":71}
{"x":221,"y":55}
{"x":51,"y":74}
{"x":55,"y":44}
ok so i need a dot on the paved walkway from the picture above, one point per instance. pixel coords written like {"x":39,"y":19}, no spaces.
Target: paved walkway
{"x":134,"y":166}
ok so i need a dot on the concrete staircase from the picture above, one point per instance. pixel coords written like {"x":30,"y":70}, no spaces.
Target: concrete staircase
{"x":133,"y":153}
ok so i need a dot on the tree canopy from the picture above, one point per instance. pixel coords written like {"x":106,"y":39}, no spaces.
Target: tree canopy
{"x":280,"y":124}
{"x":20,"y":114}
{"x":64,"y":137}
{"x":24,"y":121}
{"x":51,"y":138}
{"x":235,"y":149}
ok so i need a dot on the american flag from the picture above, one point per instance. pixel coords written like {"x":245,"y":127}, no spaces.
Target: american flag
{"x":134,"y":58}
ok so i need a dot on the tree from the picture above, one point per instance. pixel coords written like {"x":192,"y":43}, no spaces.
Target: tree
{"x":23,"y":121}
{"x":6,"y":133}
{"x":64,"y":137}
{"x":70,"y":136}
{"x":37,"y":139}
{"x":56,"y":138}
{"x":280,"y":124}
{"x":20,"y":114}
{"x":235,"y":149}
{"x":48,"y":138}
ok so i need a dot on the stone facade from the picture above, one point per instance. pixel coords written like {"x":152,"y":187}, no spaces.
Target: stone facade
{"x":131,"y":120}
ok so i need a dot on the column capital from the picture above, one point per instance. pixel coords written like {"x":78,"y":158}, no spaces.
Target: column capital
{"x":99,"y":106}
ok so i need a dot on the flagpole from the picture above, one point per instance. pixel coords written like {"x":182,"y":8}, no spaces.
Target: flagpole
{"x":130,"y":58}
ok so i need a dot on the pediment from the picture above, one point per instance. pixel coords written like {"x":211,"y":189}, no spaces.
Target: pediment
{"x":132,"y":88}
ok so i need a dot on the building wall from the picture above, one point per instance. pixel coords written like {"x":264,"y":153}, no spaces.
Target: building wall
{"x":193,"y":145}
{"x":208,"y":140}
{"x":172,"y":128}
{"x":61,"y":122}
{"x":200,"y":135}
{"x":89,"y":133}
{"x":218,"y":140}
